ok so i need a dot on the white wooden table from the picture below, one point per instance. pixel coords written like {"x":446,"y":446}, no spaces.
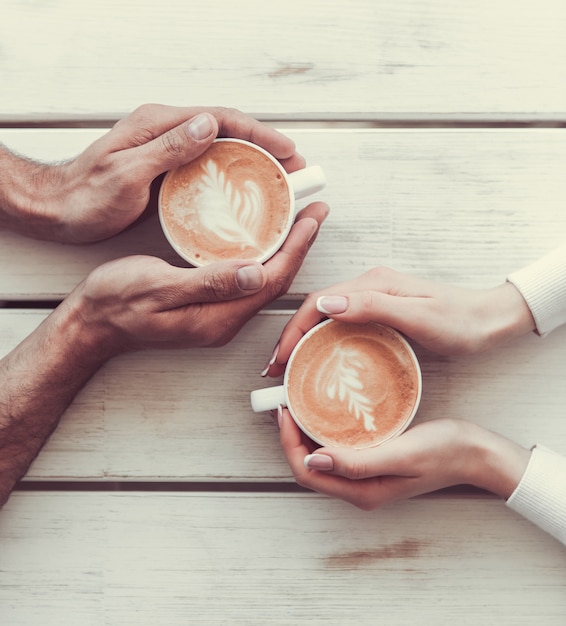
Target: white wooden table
{"x":441,"y":129}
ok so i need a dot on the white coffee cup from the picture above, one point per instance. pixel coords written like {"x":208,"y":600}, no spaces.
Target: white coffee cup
{"x":350,"y":385}
{"x":234,"y":201}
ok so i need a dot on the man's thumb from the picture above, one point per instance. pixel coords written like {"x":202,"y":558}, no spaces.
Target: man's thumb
{"x":219,"y":282}
{"x":181,"y":144}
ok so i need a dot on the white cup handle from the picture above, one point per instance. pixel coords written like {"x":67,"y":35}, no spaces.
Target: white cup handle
{"x":307,"y":181}
{"x":268,"y":398}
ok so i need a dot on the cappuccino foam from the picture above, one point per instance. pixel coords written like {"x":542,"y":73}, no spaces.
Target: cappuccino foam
{"x":353,"y":385}
{"x":231,"y":202}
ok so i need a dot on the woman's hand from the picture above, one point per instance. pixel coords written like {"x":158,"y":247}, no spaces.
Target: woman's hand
{"x":429,"y":456}
{"x":445,"y":319}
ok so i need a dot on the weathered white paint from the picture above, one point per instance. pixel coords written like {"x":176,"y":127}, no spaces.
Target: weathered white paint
{"x":114,"y":559}
{"x":371,"y":59}
{"x":461,"y":205}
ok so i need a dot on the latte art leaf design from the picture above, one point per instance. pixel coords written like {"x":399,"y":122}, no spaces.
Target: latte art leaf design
{"x":345,"y":384}
{"x":230,"y":213}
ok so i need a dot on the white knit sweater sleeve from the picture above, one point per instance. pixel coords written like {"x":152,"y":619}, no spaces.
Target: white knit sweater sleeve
{"x":541,"y":494}
{"x":543,"y":286}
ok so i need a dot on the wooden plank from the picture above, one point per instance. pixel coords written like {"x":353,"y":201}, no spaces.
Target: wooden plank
{"x":185,"y":415}
{"x":110,"y":559}
{"x":377,"y":59}
{"x":462,"y":206}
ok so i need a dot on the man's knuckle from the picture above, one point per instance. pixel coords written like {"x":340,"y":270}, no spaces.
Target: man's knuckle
{"x":141,"y":135}
{"x":173,"y":143}
{"x":216,"y":286}
{"x":169,"y":296}
{"x":144,"y":111}
{"x":229,"y":113}
{"x":231,"y":120}
{"x":142,"y":119}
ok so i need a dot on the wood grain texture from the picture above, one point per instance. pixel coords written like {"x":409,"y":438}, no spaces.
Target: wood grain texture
{"x":185,"y":415}
{"x":373,"y":59}
{"x":148,"y":558}
{"x":461,"y":206}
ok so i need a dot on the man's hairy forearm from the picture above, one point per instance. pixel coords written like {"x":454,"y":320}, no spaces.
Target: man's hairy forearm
{"x":38,"y":381}
{"x":27,"y":191}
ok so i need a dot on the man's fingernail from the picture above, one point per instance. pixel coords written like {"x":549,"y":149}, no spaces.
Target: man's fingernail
{"x":314,"y":231}
{"x":320,"y":462}
{"x":332,"y":304}
{"x":250,"y":277}
{"x":200,"y":127}
{"x":279,"y":416}
{"x":270,"y":362}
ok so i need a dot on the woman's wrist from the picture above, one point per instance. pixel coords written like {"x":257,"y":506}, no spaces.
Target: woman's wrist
{"x":496,"y":463}
{"x":504,"y":315}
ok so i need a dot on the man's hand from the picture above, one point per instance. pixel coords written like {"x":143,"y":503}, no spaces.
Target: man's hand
{"x":107,"y":187}
{"x":129,"y":304}
{"x":142,"y":302}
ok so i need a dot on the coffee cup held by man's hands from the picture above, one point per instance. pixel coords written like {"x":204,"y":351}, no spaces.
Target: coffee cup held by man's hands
{"x":234,"y":201}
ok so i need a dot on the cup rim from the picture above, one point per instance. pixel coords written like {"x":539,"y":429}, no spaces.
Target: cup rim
{"x":260,"y":258}
{"x":401,"y":428}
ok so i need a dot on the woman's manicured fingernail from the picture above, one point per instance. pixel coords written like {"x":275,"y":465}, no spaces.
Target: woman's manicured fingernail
{"x":250,"y":277}
{"x":277,"y":416}
{"x":270,"y":362}
{"x":320,"y":462}
{"x":332,"y":304}
{"x":200,"y":127}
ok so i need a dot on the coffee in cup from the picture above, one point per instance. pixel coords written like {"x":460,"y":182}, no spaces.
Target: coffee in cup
{"x":348,"y":385}
{"x":234,"y":201}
